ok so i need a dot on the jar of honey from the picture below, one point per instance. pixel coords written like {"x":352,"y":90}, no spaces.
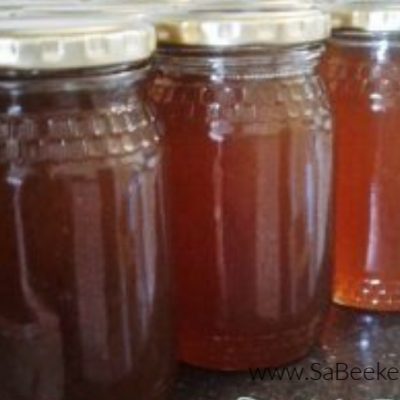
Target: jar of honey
{"x":84,"y":295}
{"x":363,"y":75}
{"x":248,"y":164}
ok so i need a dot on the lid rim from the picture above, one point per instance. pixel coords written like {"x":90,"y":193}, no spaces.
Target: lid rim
{"x":246,"y":28}
{"x":364,"y":17}
{"x":58,"y":44}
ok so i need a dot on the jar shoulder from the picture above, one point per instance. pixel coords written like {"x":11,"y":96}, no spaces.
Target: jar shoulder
{"x":362,"y":72}
{"x":260,"y":105}
{"x":73,"y":126}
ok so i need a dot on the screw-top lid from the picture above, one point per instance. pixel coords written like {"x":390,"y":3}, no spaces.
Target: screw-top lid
{"x":56,"y":42}
{"x":262,"y":24}
{"x":249,"y":5}
{"x":139,"y":9}
{"x":367,"y":16}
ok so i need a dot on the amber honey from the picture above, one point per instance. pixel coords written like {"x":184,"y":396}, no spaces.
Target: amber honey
{"x":362,"y":75}
{"x":248,"y":166}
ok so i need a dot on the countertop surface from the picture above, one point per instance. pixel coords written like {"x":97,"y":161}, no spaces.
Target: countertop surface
{"x":360,"y":340}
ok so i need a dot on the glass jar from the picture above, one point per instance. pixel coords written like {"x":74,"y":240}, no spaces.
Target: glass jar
{"x":248,"y":164}
{"x":84,"y":296}
{"x":361,"y":69}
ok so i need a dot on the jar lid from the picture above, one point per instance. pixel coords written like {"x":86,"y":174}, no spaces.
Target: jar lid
{"x":267,"y":25}
{"x":57,"y":43}
{"x":246,"y":5}
{"x":95,"y":7}
{"x":367,"y":16}
{"x":138,"y":10}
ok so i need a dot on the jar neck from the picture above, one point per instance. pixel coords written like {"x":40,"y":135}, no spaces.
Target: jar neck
{"x":369,"y":48}
{"x":57,"y":92}
{"x":240,"y":63}
{"x":351,"y":38}
{"x":71,"y":80}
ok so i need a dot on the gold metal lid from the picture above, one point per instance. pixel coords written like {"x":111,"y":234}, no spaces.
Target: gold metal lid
{"x":364,"y":16}
{"x":142,"y":10}
{"x":230,"y":27}
{"x":55,"y":43}
{"x":248,"y":5}
{"x":98,"y":5}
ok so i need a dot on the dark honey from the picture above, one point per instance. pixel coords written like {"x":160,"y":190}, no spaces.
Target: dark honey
{"x":84,"y":289}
